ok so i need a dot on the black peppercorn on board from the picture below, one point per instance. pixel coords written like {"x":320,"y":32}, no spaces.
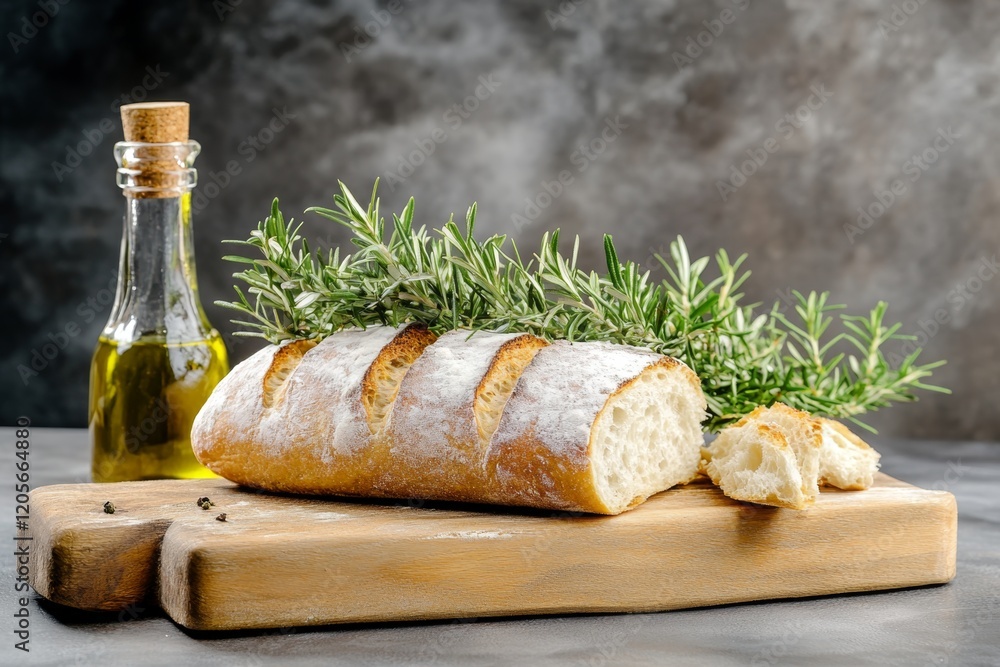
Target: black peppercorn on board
{"x":245,"y":560}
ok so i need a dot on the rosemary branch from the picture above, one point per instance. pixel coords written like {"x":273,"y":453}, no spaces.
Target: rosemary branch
{"x":450,"y":280}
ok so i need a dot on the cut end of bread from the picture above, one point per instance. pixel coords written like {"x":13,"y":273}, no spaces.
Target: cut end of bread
{"x":498,"y":383}
{"x":648,"y":436}
{"x":846,"y":461}
{"x":285,"y":360}
{"x":381,"y":382}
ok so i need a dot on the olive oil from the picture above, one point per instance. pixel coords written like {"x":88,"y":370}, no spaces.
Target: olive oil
{"x":158,"y":358}
{"x":144,"y":397}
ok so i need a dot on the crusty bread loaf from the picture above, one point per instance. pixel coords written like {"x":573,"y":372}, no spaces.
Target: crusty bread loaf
{"x":779,"y":456}
{"x":500,"y":418}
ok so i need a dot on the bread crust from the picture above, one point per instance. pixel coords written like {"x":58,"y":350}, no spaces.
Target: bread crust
{"x":864,"y":472}
{"x":847,"y":433}
{"x":407,"y":347}
{"x":768,"y":436}
{"x":222,"y":441}
{"x":283,"y":363}
{"x":816,"y":445}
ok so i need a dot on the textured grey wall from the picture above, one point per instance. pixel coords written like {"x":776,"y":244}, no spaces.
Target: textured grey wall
{"x":842,"y":99}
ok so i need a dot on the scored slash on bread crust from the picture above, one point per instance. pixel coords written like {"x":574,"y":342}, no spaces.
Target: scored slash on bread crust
{"x":285,"y":360}
{"x":778,"y":456}
{"x":383,"y":378}
{"x":498,"y":382}
{"x":502,"y":418}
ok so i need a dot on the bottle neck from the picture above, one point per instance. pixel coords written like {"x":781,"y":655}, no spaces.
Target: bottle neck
{"x":157,"y":296}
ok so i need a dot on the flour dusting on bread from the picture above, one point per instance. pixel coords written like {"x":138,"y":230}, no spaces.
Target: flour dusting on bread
{"x":315,"y":430}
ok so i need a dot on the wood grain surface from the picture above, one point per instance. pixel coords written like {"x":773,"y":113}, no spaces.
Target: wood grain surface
{"x":281,"y":561}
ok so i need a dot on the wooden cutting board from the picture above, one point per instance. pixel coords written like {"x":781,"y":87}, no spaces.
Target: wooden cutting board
{"x":281,"y":561}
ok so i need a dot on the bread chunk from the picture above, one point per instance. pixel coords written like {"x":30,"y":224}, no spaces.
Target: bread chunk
{"x":779,"y":456}
{"x":845,"y":460}
{"x":756,"y":464}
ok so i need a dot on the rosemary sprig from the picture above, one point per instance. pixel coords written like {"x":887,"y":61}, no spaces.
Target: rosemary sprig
{"x":450,"y":280}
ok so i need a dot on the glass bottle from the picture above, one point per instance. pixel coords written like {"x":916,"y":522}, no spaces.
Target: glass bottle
{"x":158,"y":358}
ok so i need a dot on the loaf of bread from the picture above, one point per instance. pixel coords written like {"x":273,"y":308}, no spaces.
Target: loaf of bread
{"x":780,"y":456}
{"x":485,"y":417}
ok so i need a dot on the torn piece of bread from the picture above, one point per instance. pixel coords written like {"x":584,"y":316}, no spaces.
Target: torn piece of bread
{"x":779,"y":455}
{"x":755,"y":463}
{"x":845,"y":460}
{"x":771,"y":456}
{"x":597,"y":427}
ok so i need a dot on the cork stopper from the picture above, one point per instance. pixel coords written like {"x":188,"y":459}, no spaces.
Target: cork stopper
{"x":156,"y":159}
{"x":156,"y":122}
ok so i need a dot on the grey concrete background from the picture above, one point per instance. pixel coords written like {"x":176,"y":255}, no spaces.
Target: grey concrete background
{"x":362,"y":87}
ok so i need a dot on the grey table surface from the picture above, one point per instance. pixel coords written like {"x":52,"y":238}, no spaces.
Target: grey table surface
{"x":953,"y":624}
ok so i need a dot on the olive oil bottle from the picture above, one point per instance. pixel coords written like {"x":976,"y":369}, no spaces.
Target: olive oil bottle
{"x":158,"y":358}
